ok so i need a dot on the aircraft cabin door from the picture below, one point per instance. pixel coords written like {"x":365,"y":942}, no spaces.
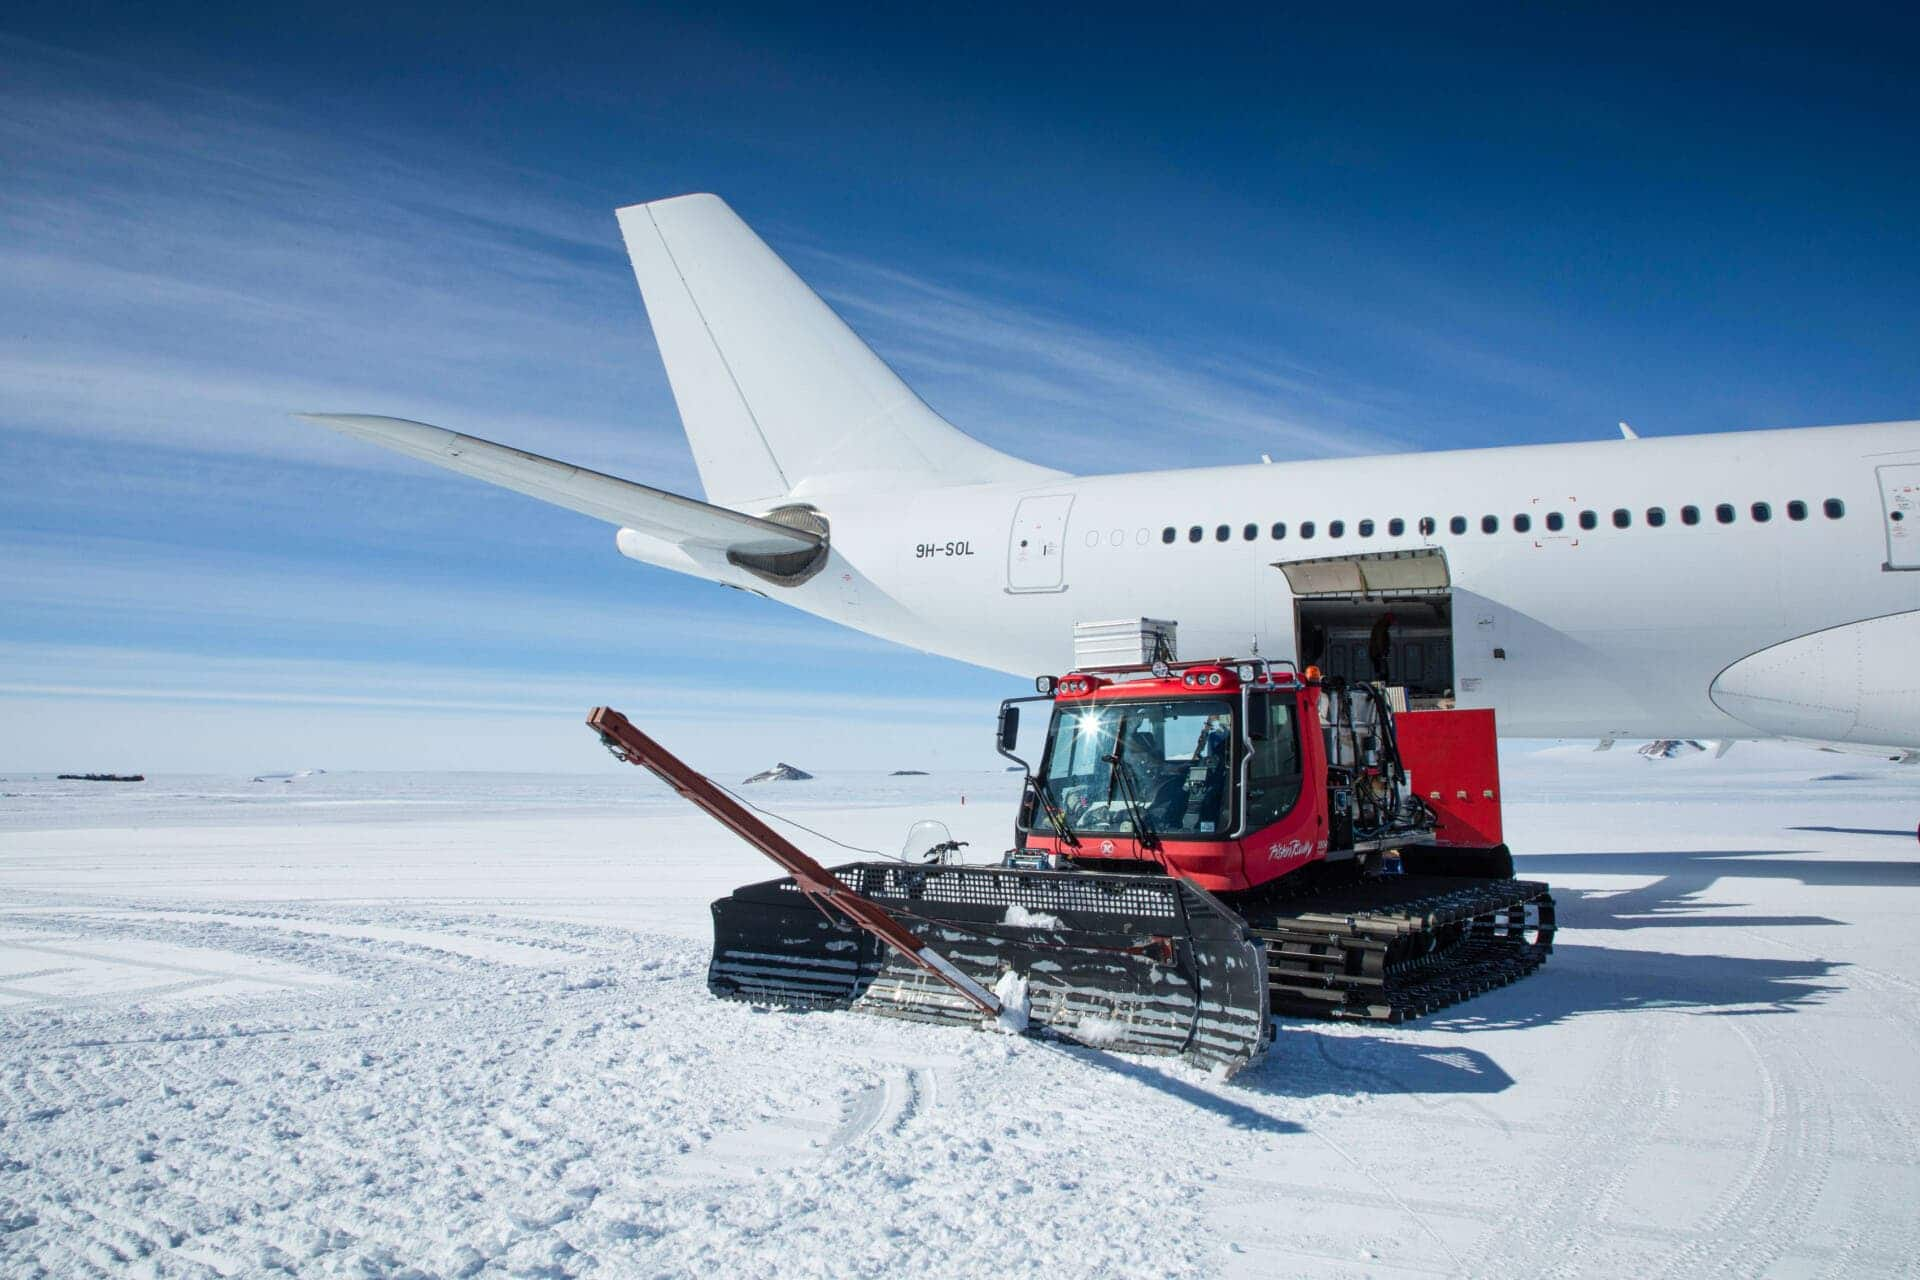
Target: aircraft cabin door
{"x":1036,"y":551}
{"x":1900,"y":505}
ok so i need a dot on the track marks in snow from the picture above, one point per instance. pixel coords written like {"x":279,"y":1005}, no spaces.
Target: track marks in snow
{"x":1556,"y":1210}
{"x":1733,"y":1206}
{"x":489,"y":945}
{"x":238,"y":951}
{"x":479,"y":1085}
{"x":303,"y":1116}
{"x":786,"y":1141}
{"x":110,"y":972}
{"x":1760,"y":1215}
{"x":904,"y":1095}
{"x":600,"y":1115}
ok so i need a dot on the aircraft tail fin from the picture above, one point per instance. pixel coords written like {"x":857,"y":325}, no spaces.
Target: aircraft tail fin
{"x":779,"y":398}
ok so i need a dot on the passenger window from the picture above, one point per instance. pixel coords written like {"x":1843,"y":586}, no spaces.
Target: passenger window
{"x":1194,"y":534}
{"x":1279,"y":530}
{"x":1622,"y":517}
{"x":1762,"y":512}
{"x":1251,"y":532}
{"x":1656,"y":516}
{"x":1834,"y":508}
{"x":1427,"y":526}
{"x":1522,"y":522}
{"x":1555,"y":522}
{"x":1724,"y":513}
{"x":1458,"y":524}
{"x":1221,"y":533}
{"x":1306,"y":528}
{"x":1689,"y":515}
{"x":1588,"y":520}
{"x":1489,"y":524}
{"x":1796,"y":510}
{"x":1335,"y":528}
{"x":1366,"y":528}
{"x":1396,"y":527}
{"x":1167,"y":534}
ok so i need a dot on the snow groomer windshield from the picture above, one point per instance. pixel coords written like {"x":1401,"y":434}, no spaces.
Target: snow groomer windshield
{"x":1174,"y":774}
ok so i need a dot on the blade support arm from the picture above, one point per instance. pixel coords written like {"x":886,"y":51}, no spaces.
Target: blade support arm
{"x":634,"y":747}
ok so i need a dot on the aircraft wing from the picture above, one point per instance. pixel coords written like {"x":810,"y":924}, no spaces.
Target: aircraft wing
{"x":683,"y":522}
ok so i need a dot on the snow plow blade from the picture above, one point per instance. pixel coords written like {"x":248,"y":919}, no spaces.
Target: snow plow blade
{"x":1132,"y":964}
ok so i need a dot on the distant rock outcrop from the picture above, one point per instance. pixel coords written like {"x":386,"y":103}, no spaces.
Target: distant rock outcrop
{"x":908,"y":773}
{"x":781,"y":772}
{"x":1671,"y":748}
{"x":288,"y":777}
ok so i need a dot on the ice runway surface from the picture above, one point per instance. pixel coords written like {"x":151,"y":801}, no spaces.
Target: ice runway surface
{"x":457,"y":1025}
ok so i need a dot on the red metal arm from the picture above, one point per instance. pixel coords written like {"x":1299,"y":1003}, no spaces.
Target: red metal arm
{"x":818,"y":883}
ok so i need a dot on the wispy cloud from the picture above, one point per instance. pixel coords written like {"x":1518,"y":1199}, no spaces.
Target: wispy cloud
{"x":197,"y":266}
{"x":188,"y":268}
{"x":76,"y":706}
{"x":115,"y":674}
{"x":182,"y":267}
{"x":135,"y":588}
{"x":180,"y":403}
{"x":1111,"y":397}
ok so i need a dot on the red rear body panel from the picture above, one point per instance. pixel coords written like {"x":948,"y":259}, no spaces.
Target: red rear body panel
{"x":1453,"y":761}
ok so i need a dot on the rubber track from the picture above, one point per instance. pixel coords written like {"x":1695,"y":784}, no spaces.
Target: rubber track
{"x":1398,"y":947}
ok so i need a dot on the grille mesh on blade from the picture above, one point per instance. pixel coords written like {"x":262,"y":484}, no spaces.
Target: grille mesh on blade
{"x":1124,"y":963}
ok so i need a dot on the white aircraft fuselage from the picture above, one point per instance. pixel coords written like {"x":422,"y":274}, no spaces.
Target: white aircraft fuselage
{"x":1743,"y":585}
{"x":1603,"y":632}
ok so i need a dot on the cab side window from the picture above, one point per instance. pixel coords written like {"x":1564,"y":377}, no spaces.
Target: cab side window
{"x":1273,"y":775}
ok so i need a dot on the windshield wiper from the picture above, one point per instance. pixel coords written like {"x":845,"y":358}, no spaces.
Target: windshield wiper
{"x":1136,"y":812}
{"x":1052,"y":810}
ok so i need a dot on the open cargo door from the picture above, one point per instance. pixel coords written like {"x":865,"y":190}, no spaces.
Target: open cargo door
{"x":1370,"y":573}
{"x":1340,"y":604}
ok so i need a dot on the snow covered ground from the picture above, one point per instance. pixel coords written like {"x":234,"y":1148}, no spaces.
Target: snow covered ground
{"x":456,"y":1025}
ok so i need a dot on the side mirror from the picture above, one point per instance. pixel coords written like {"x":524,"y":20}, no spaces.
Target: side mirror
{"x":1259,"y":714}
{"x":1009,"y":728}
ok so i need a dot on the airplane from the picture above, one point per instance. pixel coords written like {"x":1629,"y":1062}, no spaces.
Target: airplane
{"x":1757,"y":584}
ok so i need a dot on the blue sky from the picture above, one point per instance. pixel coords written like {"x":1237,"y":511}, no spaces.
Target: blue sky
{"x":1103,"y":243}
